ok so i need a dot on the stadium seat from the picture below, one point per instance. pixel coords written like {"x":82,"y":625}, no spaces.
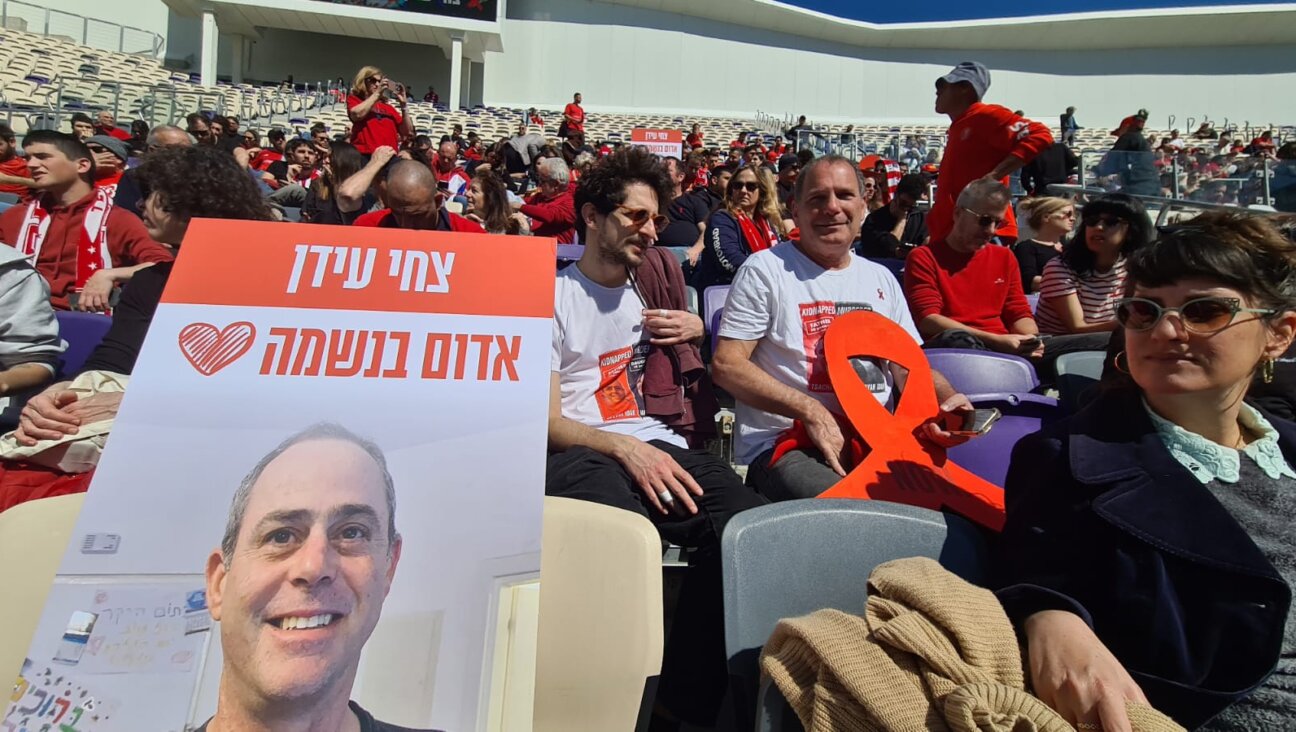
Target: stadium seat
{"x":795,"y":557}
{"x":989,"y":455}
{"x":33,"y":537}
{"x":713,"y":300}
{"x":691,"y":296}
{"x":983,"y":372}
{"x":82,"y":332}
{"x":9,"y":198}
{"x":597,"y":650}
{"x":1077,"y":374}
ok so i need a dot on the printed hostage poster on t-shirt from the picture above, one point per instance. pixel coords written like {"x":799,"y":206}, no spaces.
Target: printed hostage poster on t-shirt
{"x":815,"y":319}
{"x":331,"y":448}
{"x":620,"y":390}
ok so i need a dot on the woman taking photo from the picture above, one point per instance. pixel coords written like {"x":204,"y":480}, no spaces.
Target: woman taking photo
{"x":374,"y":122}
{"x":1148,"y":552}
{"x":738,"y":229}
{"x":1051,"y":219}
{"x":488,"y":205}
{"x":1079,"y":289}
{"x":185,"y":183}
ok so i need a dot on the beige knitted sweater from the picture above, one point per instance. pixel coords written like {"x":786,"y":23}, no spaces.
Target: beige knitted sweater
{"x":932,"y":652}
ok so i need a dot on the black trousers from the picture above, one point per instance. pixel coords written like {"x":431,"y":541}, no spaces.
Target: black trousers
{"x":694,"y":665}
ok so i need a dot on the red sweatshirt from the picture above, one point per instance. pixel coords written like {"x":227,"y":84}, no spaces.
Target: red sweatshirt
{"x":128,"y":243}
{"x":981,"y":291}
{"x":976,"y":143}
{"x":555,"y":217}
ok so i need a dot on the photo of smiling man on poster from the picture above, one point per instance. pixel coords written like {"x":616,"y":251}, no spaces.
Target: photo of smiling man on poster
{"x":308,"y":557}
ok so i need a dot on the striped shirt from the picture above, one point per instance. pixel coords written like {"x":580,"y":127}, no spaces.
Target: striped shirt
{"x":1098,"y":293}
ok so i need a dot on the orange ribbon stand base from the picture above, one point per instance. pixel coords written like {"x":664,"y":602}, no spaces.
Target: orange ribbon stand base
{"x":899,"y":467}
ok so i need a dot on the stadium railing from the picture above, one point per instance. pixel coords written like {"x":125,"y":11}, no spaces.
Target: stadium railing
{"x":80,"y":29}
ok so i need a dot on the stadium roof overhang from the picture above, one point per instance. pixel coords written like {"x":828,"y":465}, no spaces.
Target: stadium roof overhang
{"x":245,"y":17}
{"x":1225,"y":25}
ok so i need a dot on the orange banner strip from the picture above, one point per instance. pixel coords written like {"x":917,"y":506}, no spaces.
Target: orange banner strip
{"x":266,"y":264}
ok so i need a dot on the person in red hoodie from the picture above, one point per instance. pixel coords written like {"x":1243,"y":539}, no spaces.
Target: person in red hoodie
{"x":413,"y":203}
{"x":984,"y":141}
{"x":71,"y":232}
{"x":552,"y":209}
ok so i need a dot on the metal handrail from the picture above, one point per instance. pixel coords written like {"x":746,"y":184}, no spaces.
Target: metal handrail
{"x":156,"y":43}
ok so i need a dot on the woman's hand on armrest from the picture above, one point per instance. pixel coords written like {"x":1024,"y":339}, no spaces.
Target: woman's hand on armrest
{"x":1075,"y":674}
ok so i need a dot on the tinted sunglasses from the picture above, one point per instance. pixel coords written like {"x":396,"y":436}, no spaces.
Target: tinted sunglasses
{"x":752,"y":186}
{"x":1203,"y":315}
{"x":1106,"y":220}
{"x":640,"y":216}
{"x":984,"y":220}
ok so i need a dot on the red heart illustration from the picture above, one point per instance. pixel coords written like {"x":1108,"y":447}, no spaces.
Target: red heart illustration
{"x":209,"y":349}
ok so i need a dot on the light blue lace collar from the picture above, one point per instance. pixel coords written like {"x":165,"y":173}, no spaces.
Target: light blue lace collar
{"x":1209,"y":461}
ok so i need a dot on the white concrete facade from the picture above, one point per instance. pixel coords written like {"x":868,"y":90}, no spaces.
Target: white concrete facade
{"x":630,"y":59}
{"x":629,"y":56}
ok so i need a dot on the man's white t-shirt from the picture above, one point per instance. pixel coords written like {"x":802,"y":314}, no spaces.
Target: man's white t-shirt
{"x":786,"y":301}
{"x":599,"y":351}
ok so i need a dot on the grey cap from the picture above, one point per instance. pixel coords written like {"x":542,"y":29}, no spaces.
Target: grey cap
{"x":973,"y":73}
{"x":111,"y":144}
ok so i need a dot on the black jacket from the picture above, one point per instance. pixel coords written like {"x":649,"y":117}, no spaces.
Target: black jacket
{"x":1103,"y":522}
{"x":1054,"y":164}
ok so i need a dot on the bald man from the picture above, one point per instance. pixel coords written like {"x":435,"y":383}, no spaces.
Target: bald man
{"x":130,"y":195}
{"x":414,"y":203}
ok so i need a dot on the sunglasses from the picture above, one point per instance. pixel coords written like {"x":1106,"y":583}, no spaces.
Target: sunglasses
{"x":640,"y":216}
{"x":751,"y":186}
{"x":96,"y":149}
{"x":1106,"y":221}
{"x":984,"y":220}
{"x":200,"y":133}
{"x":1203,"y":315}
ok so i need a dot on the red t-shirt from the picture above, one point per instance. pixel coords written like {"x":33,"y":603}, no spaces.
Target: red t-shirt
{"x":694,"y":140}
{"x":17,"y":167}
{"x":456,"y":222}
{"x":574,"y":111}
{"x":114,"y":131}
{"x":264,"y":158}
{"x":981,"y":291}
{"x":976,"y":143}
{"x":380,"y":127}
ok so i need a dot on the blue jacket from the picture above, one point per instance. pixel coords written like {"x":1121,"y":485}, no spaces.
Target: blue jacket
{"x":724,"y":250}
{"x":1103,"y":522}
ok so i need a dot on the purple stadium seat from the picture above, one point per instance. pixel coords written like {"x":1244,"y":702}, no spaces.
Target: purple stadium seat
{"x":713,"y":300}
{"x":83,"y":332}
{"x":982,"y":372}
{"x":988,"y":456}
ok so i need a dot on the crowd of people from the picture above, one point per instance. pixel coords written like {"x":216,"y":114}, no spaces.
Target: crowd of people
{"x":1147,"y":554}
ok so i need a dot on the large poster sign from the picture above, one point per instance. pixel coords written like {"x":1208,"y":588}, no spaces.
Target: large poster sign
{"x":660,"y":142}
{"x":474,"y":9}
{"x":332,"y":447}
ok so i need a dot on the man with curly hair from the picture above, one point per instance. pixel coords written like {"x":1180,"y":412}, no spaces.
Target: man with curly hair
{"x":71,"y":232}
{"x":604,"y":446}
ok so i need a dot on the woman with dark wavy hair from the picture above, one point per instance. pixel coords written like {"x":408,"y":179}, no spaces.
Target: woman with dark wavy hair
{"x":184,"y":183}
{"x":1148,"y":553}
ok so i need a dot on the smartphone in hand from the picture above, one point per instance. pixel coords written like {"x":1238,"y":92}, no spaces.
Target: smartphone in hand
{"x":977,"y":422}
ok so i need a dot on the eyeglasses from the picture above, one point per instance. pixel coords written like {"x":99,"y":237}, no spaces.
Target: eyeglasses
{"x":750,"y":185}
{"x":640,"y":216}
{"x":985,"y":220}
{"x":1203,"y":315}
{"x":1106,"y":221}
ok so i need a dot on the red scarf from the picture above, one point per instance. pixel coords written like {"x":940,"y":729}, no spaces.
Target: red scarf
{"x":757,"y":232}
{"x":92,"y":249}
